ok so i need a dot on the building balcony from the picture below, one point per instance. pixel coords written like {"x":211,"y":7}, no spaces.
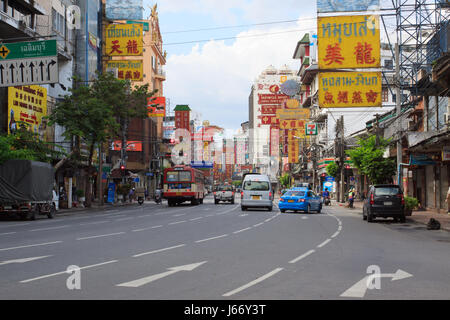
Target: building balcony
{"x":160,"y":73}
{"x":23,"y":24}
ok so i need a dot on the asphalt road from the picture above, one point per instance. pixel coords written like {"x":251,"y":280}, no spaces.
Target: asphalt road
{"x":219,"y":252}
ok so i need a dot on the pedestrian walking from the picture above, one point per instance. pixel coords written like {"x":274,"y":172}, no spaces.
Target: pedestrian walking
{"x":351,"y":197}
{"x":131,"y":194}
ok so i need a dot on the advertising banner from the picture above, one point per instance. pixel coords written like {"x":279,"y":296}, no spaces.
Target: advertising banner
{"x":349,"y":89}
{"x":156,"y":107}
{"x":127,"y":69}
{"x":124,"y":40}
{"x":277,"y":99}
{"x":293,"y":146}
{"x":349,"y":42}
{"x":347,"y":5}
{"x":287,"y":114}
{"x":272,"y":110}
{"x":124,"y":9}
{"x":311,"y":129}
{"x":272,"y":120}
{"x":293,"y":124}
{"x":27,"y":104}
{"x":131,"y":145}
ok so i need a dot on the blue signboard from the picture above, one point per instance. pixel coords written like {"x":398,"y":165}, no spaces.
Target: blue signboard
{"x":111,"y":192}
{"x":202,"y":164}
{"x":347,"y":5}
{"x":136,"y":180}
{"x":421,"y":160}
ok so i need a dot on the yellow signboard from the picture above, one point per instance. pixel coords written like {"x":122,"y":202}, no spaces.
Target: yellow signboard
{"x":127,"y":69}
{"x":293,"y":124}
{"x":349,"y":89}
{"x":348,"y":42}
{"x":27,"y":104}
{"x":293,"y":146}
{"x":287,"y":114}
{"x":124,"y":40}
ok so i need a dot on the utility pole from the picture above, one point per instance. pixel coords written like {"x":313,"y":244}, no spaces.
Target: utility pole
{"x":100,"y":175}
{"x":398,"y":112}
{"x":377,"y":130}
{"x":342,"y":151}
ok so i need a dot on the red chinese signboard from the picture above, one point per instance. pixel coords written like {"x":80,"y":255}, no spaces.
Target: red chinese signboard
{"x":156,"y":107}
{"x":277,"y":99}
{"x":131,"y":145}
{"x":269,"y":109}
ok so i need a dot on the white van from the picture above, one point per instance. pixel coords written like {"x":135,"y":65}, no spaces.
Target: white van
{"x":256,"y":192}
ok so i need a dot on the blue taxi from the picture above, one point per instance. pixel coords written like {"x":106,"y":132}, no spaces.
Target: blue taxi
{"x":300,"y":199}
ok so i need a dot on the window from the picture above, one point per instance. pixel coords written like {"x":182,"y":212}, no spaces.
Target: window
{"x":385,"y":95}
{"x":225,"y":188}
{"x":58,"y":23}
{"x":172,"y":176}
{"x":185,"y":176}
{"x":256,"y":185}
{"x":387,"y":191}
{"x":295,"y":194}
{"x":388,"y":64}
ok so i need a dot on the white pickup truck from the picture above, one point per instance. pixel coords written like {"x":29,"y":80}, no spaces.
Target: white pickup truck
{"x":224,"y":193}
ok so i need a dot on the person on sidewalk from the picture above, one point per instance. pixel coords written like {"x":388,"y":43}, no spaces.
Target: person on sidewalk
{"x":351,"y":197}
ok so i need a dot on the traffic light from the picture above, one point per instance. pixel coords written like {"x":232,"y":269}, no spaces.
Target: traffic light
{"x":122,"y":169}
{"x":168,"y":141}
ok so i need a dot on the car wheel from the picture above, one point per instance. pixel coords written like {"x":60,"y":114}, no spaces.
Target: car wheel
{"x":402,"y":219}
{"x":369,"y":217}
{"x":282,"y":210}
{"x":270,"y":209}
{"x":308,"y":211}
{"x":320,"y":209}
{"x":244,"y":208}
{"x":52,"y":212}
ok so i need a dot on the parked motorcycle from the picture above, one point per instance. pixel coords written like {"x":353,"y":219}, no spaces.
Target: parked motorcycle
{"x":327,"y":201}
{"x":140,"y":200}
{"x":158,"y":196}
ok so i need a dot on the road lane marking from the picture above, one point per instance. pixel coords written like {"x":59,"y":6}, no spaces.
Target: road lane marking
{"x":6,"y":233}
{"x":267,"y":220}
{"x":222,"y":236}
{"x":323,"y":243}
{"x":143,"y":229}
{"x":158,"y":250}
{"x":179,"y":215}
{"x":144,"y":216}
{"x":51,"y":228}
{"x":196,"y":219}
{"x":252,"y":283}
{"x":242,"y":230}
{"x":177,"y":222}
{"x":123,"y":219}
{"x":102,"y":235}
{"x":31,"y":245}
{"x":258,"y":224}
{"x":340,"y":228}
{"x":97,"y":222}
{"x":302,"y":256}
{"x":335,"y":234}
{"x":209,"y":215}
{"x":15,"y":225}
{"x":65,"y":272}
{"x":24,"y":260}
{"x":304,"y":218}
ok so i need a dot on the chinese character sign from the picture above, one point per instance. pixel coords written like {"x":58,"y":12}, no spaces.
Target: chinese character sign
{"x":124,"y":40}
{"x":156,"y":107}
{"x":293,"y":146}
{"x":349,"y":42}
{"x":27,"y":104}
{"x":127,"y":69}
{"x":349,"y":89}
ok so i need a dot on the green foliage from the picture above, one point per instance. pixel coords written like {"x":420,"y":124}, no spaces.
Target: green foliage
{"x":333,"y":170}
{"x":236,"y":183}
{"x":369,"y":160}
{"x":80,"y":193}
{"x":411,"y":203}
{"x":26,"y":145}
{"x":285,"y":180}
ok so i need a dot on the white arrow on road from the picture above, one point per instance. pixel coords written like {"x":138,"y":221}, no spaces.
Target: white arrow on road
{"x":24,"y":260}
{"x":143,"y":281}
{"x":358,"y":290}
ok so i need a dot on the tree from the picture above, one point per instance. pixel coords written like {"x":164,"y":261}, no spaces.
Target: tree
{"x":26,"y":145}
{"x":97,"y":112}
{"x":369,"y":159}
{"x":333,"y":170}
{"x":285,"y":180}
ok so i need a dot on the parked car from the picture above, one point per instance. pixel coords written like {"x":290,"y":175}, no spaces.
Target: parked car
{"x":300,"y":199}
{"x":256,"y":192}
{"x":224,"y":193}
{"x":384,"y":201}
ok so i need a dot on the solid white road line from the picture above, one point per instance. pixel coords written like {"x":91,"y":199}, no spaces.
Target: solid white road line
{"x":31,"y":245}
{"x":143,"y":229}
{"x":177,"y":222}
{"x":267,"y":220}
{"x":4,"y":234}
{"x":323,"y":243}
{"x":335,"y":234}
{"x":98,"y":222}
{"x":242,"y":230}
{"x":23,"y":260}
{"x":248,"y":285}
{"x":222,"y":236}
{"x":159,"y":250}
{"x":258,"y":224}
{"x":196,"y":219}
{"x":65,"y":272}
{"x":123,"y":219}
{"x":102,"y":235}
{"x":179,"y":215}
{"x":302,"y":256}
{"x":14,"y":225}
{"x":51,"y":228}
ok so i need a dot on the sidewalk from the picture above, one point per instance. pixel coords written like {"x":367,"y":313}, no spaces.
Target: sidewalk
{"x":417,"y":216}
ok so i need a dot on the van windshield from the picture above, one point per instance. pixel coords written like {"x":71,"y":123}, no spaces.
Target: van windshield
{"x":256,"y":185}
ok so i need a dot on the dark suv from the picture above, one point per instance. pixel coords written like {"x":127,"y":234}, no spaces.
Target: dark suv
{"x":384,"y":200}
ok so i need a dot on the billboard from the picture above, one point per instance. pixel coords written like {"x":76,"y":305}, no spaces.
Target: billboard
{"x":277,"y":99}
{"x":349,"y":89}
{"x":349,"y":42}
{"x":27,"y":104}
{"x":156,"y":107}
{"x":124,"y":40}
{"x":124,"y":9}
{"x":347,"y":5}
{"x":131,"y":145}
{"x":287,"y":114}
{"x":127,"y":69}
{"x":293,"y":146}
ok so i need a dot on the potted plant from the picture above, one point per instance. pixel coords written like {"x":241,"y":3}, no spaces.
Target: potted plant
{"x":411,"y":203}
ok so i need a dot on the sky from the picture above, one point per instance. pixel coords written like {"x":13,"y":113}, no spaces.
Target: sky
{"x":214,"y":77}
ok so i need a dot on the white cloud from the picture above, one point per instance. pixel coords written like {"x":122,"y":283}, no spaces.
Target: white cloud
{"x":215,"y":78}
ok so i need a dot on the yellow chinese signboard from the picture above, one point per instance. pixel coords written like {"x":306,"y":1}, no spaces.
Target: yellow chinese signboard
{"x":293,"y":146}
{"x":349,"y":89}
{"x":124,"y":40}
{"x":27,"y":104}
{"x":348,"y":42}
{"x":127,"y":69}
{"x":293,"y":124}
{"x":287,"y":114}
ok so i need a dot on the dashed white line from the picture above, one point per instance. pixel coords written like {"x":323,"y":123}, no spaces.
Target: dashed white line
{"x":256,"y":281}
{"x":123,"y":219}
{"x":258,"y":224}
{"x":97,"y":222}
{"x":65,"y":272}
{"x":302,"y":256}
{"x":6,"y":233}
{"x":177,"y":222}
{"x":196,"y":219}
{"x":51,"y":228}
{"x":31,"y":245}
{"x":242,"y":230}
{"x":143,"y":229}
{"x":304,"y":218}
{"x":222,"y":236}
{"x":159,"y":250}
{"x":179,"y":215}
{"x":323,"y":243}
{"x":143,"y":216}
{"x":209,"y":215}
{"x":102,"y":235}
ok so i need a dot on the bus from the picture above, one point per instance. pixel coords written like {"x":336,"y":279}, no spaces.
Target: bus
{"x":183,"y":183}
